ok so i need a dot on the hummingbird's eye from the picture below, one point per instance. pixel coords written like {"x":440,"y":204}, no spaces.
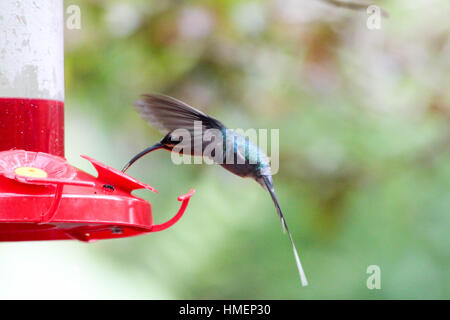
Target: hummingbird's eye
{"x":173,"y":140}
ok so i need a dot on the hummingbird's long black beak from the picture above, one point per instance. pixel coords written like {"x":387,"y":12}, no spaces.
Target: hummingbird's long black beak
{"x":157,"y":146}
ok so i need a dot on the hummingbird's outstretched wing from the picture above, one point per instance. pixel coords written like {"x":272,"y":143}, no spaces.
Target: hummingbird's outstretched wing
{"x":270,"y":188}
{"x":168,"y":114}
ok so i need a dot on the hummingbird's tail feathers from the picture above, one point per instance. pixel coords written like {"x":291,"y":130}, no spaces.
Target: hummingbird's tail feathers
{"x":159,"y":145}
{"x":168,"y":114}
{"x":303,"y":279}
{"x":269,"y":185}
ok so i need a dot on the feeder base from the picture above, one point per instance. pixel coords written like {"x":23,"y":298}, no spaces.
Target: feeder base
{"x":67,"y":203}
{"x":85,"y":214}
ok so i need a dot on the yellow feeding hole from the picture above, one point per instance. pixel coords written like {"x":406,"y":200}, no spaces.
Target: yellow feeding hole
{"x":31,"y":172}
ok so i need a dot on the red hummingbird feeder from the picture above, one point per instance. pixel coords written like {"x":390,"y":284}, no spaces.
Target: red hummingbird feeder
{"x":43,"y":197}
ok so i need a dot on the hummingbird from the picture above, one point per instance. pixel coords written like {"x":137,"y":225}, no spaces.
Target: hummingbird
{"x":170,"y":115}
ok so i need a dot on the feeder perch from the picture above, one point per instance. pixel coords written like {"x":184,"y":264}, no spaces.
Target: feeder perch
{"x":43,"y":197}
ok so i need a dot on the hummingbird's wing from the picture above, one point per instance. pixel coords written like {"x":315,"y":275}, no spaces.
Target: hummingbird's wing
{"x":168,"y":114}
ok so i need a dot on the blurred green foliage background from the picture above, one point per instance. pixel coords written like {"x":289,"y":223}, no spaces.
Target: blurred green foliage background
{"x":364,"y":151}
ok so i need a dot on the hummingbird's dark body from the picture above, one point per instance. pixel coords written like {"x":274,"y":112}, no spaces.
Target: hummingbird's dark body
{"x":237,"y":153}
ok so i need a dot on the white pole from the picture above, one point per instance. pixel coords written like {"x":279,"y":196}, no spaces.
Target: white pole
{"x":32,"y":49}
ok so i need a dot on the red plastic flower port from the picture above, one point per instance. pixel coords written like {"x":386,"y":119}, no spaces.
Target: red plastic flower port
{"x":117,"y":178}
{"x":38,"y":168}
